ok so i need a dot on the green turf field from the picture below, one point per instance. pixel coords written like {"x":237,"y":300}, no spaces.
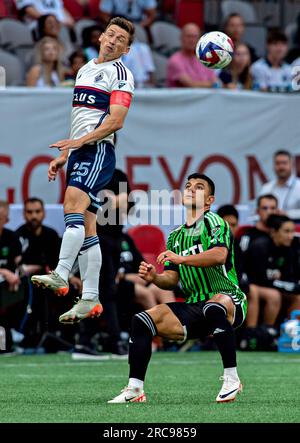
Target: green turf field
{"x":181,"y":388}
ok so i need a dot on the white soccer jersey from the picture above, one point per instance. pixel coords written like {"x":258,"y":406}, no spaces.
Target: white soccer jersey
{"x":93,"y":87}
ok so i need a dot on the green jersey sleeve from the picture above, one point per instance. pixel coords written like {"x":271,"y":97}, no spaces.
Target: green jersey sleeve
{"x":218,"y":234}
{"x":169,"y":266}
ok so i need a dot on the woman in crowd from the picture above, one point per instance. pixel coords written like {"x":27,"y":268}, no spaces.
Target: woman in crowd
{"x":47,"y":70}
{"x":237,"y":74}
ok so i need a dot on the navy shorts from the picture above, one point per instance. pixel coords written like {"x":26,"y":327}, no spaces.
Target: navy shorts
{"x":90,"y":168}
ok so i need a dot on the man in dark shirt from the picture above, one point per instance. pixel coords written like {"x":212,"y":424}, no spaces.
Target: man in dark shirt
{"x":40,"y":249}
{"x":266,"y":204}
{"x":10,"y":293}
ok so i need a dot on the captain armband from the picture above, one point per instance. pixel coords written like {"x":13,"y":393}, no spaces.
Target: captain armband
{"x":120,"y":98}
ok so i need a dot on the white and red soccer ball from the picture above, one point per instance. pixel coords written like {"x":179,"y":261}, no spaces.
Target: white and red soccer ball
{"x":215,"y":50}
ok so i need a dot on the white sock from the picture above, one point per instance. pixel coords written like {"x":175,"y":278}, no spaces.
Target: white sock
{"x":231,"y":372}
{"x":136,"y":383}
{"x":72,"y":241}
{"x":90,"y":261}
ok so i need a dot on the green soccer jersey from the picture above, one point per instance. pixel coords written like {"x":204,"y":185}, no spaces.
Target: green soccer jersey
{"x":197,"y":283}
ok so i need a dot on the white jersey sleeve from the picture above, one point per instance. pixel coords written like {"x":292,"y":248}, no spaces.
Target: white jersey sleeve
{"x":122,"y":78}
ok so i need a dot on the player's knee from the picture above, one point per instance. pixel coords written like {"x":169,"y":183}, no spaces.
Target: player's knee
{"x":142,"y":323}
{"x":216,"y":317}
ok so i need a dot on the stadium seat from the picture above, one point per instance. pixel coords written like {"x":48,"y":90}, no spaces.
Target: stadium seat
{"x":160,"y":74}
{"x":150,"y":241}
{"x":16,"y":38}
{"x":290,"y":32}
{"x":14,"y":72}
{"x":246,"y":10}
{"x":255,"y":36}
{"x":80,"y":25}
{"x":188,"y":11}
{"x":166,"y":37}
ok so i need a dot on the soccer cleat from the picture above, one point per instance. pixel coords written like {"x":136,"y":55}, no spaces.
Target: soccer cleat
{"x":51,"y":281}
{"x":130,"y":395}
{"x":82,"y":309}
{"x":231,"y":387}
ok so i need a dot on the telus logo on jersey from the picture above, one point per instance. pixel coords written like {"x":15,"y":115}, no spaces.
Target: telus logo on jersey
{"x":84,"y":98}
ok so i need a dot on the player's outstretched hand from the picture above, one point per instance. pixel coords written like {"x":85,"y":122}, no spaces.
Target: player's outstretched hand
{"x":169,"y":256}
{"x":147,"y":272}
{"x":54,"y":166}
{"x":62,"y":145}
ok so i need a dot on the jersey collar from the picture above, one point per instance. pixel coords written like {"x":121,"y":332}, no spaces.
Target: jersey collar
{"x":106,"y":63}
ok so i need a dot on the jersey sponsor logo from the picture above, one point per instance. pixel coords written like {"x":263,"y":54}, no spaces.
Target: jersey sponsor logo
{"x":85,"y":96}
{"x":99,"y":77}
{"x":193,"y":250}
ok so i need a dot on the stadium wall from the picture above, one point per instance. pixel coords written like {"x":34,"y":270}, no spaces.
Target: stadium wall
{"x":229,"y":135}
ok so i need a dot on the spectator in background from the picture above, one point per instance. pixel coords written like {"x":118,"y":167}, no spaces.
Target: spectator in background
{"x":273,"y":271}
{"x":142,"y":12}
{"x":237,"y":75}
{"x":90,"y":41}
{"x":10,"y":252}
{"x":272,"y":73}
{"x":286,"y":186}
{"x":140,"y":62}
{"x":31,"y":10}
{"x":234,"y":27}
{"x":184,"y":69}
{"x":40,"y":249}
{"x":76,"y":60}
{"x":266,"y":204}
{"x":49,"y":26}
{"x":230,"y":214}
{"x":47,"y":70}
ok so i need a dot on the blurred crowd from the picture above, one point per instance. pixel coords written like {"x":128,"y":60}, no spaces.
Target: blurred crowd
{"x":63,"y":35}
{"x":267,"y":259}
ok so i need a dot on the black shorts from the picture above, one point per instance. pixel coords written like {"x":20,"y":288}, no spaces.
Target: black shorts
{"x":191,"y":316}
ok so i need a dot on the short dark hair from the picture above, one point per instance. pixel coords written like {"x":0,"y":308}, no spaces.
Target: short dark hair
{"x":124,"y":24}
{"x":33,"y":200}
{"x":228,"y":210}
{"x":276,"y":36}
{"x":229,"y":17}
{"x":275,"y":221}
{"x":205,"y":178}
{"x":75,"y":54}
{"x":268,"y":196}
{"x":282,"y":152}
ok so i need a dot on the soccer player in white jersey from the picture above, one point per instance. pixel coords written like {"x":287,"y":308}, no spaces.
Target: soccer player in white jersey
{"x":102,"y":96}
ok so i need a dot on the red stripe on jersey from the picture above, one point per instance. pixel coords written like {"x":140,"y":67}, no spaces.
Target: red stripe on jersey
{"x":120,"y":98}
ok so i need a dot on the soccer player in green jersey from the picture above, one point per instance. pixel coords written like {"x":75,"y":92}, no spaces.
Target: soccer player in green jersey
{"x":200,"y":256}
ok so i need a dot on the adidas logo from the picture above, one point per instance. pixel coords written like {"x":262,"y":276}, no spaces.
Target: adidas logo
{"x":77,"y":179}
{"x":176,"y":244}
{"x":218,"y":330}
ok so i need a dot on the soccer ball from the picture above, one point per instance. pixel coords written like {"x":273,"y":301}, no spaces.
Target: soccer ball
{"x":215,"y":50}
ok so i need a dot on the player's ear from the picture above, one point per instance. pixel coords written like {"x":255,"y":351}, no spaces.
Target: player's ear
{"x":210,"y":199}
{"x":126,"y":50}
